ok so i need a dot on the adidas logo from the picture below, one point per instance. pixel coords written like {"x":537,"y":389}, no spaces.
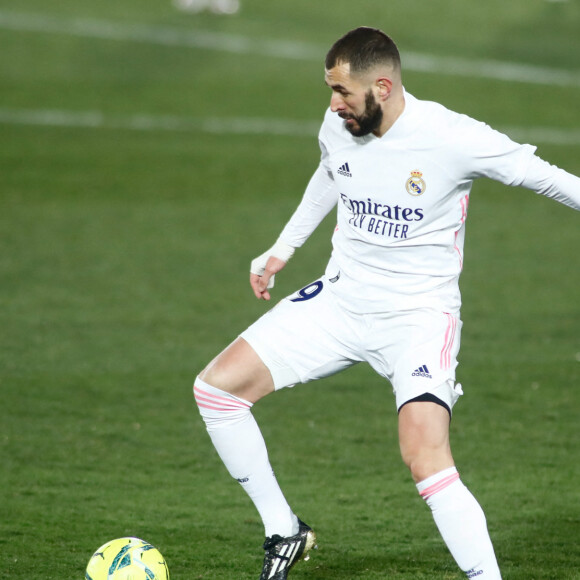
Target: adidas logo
{"x":422,"y":372}
{"x":344,"y":170}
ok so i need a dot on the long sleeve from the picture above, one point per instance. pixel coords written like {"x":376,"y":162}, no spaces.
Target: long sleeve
{"x":552,"y":182}
{"x":318,"y":200}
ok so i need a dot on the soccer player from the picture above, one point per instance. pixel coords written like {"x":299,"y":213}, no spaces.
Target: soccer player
{"x":399,"y":170}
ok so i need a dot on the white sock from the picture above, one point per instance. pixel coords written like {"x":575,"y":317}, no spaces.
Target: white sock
{"x":462,"y":524}
{"x":240,"y":445}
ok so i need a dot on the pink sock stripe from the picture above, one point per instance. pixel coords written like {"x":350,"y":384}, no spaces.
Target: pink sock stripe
{"x":217,"y":403}
{"x":440,"y":485}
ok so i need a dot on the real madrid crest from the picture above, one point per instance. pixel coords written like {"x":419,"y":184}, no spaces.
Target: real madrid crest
{"x":416,"y":184}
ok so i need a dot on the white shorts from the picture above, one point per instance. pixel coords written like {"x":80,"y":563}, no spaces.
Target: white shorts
{"x":308,"y":336}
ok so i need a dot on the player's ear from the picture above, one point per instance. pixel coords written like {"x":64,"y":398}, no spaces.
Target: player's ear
{"x":384,"y":86}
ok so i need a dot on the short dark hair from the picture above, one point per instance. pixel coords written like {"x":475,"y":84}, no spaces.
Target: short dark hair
{"x":363,"y":48}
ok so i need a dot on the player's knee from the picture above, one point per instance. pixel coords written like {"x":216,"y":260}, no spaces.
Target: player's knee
{"x":213,"y":376}
{"x":239,"y":371}
{"x":223,"y":373}
{"x":425,"y":456}
{"x":227,"y":377}
{"x":424,"y":463}
{"x":246,"y":381}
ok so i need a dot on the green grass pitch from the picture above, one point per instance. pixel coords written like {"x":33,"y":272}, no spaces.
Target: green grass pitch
{"x":133,"y":194}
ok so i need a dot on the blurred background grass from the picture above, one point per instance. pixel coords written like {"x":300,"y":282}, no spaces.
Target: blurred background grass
{"x":124,"y":259}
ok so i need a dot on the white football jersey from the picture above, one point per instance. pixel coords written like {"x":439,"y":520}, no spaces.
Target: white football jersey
{"x":402,"y":202}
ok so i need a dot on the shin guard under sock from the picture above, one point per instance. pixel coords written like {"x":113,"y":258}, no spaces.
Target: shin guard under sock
{"x":240,"y":445}
{"x":462,"y":524}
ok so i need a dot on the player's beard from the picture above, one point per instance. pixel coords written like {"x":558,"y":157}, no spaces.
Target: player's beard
{"x":369,"y":121}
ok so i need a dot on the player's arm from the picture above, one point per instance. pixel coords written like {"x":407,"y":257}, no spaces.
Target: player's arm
{"x":489,"y":153}
{"x":552,"y":182}
{"x":318,"y":200}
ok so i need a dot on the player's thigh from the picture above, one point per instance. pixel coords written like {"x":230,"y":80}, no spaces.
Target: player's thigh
{"x":424,"y":438}
{"x":306,"y":336}
{"x":418,"y":354}
{"x":240,"y":371}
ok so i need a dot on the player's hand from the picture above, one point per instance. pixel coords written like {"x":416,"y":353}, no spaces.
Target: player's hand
{"x":261,"y":284}
{"x":264,"y":267}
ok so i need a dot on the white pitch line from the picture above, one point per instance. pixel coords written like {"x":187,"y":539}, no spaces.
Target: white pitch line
{"x":165,"y":36}
{"x":98,"y":120}
{"x":231,"y":126}
{"x":199,"y":39}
